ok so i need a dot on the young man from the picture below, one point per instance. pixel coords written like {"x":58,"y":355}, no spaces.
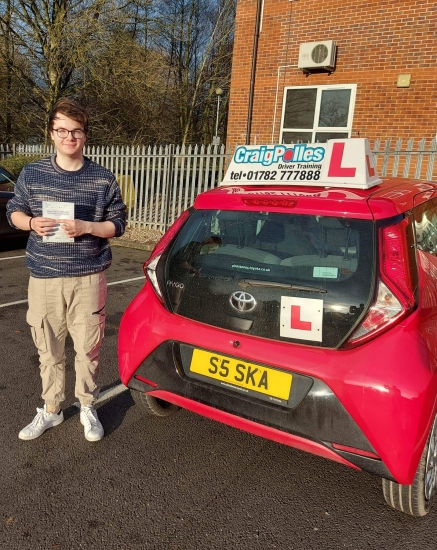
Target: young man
{"x":72,"y":206}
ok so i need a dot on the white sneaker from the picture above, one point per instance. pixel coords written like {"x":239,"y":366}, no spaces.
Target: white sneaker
{"x":93,"y":429}
{"x":42,"y":421}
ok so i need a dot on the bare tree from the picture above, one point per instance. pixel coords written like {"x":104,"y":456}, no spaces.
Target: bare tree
{"x":126,"y":95}
{"x":54,"y":37}
{"x":14,"y":106}
{"x":194,"y":35}
{"x":148,"y":69}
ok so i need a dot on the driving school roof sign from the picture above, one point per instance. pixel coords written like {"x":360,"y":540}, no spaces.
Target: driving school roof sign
{"x":337,"y":163}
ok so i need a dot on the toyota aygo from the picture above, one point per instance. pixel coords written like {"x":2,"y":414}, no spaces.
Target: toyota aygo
{"x":298,"y":302}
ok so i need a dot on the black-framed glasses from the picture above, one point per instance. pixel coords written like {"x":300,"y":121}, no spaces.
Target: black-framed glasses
{"x":63,"y":133}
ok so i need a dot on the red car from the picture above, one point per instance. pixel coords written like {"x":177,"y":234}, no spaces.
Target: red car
{"x":301,"y":313}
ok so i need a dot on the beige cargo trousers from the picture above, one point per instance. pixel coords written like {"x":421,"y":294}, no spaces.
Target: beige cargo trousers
{"x":62,"y":305}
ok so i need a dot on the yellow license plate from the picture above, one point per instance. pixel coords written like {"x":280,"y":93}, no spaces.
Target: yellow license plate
{"x":234,"y":372}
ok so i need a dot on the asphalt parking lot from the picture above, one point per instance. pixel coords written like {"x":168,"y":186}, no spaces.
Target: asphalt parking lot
{"x":184,"y":482}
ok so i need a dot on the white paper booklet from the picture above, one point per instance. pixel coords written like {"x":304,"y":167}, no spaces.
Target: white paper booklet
{"x":58,"y":211}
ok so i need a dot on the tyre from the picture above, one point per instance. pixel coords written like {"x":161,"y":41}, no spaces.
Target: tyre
{"x":416,"y":499}
{"x":152,"y":405}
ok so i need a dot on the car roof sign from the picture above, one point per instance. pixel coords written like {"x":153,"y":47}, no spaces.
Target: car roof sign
{"x":338,"y":163}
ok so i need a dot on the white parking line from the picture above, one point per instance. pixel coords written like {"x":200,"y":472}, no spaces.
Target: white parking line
{"x":11,"y":258}
{"x":127,"y":280}
{"x":13,"y":303}
{"x":109,"y":284}
{"x":105,"y":395}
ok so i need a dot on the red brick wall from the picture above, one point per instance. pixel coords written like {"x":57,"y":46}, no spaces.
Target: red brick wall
{"x":376,"y":39}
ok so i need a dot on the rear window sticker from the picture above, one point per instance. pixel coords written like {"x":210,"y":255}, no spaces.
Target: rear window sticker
{"x":325,"y":272}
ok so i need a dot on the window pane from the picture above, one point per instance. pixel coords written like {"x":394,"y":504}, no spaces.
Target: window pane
{"x":322,"y":137}
{"x":296,"y":137}
{"x":300,"y":105}
{"x":334,"y":108}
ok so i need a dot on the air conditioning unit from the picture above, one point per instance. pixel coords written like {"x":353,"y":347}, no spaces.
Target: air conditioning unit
{"x":317,"y":55}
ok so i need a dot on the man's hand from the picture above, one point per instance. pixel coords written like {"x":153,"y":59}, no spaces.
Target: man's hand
{"x":75,"y":228}
{"x":43,"y":226}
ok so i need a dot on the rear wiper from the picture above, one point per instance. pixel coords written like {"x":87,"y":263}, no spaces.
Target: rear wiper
{"x":269,"y":284}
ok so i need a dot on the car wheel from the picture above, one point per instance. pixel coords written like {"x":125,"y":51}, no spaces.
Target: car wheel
{"x":416,"y":499}
{"x":152,"y":405}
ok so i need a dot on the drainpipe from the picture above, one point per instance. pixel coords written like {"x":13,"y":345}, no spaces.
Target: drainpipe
{"x":280,"y":68}
{"x":252,"y":75}
{"x":276,"y":98}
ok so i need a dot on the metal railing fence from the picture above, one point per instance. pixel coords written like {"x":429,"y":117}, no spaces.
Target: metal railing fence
{"x":158,"y":183}
{"x":5,"y":151}
{"x":392,"y":159}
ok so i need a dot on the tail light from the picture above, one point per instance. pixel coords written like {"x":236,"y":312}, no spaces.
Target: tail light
{"x":150,"y":265}
{"x":394,"y":294}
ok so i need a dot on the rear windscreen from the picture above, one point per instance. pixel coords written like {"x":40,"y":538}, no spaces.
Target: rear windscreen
{"x":297,"y":271}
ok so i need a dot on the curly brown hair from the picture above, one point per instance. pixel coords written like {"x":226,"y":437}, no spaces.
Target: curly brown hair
{"x":72,"y":109}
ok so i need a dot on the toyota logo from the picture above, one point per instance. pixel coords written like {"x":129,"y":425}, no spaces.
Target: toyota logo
{"x":242,"y":301}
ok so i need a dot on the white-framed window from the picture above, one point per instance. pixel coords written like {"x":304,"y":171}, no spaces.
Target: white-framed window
{"x":314,"y":114}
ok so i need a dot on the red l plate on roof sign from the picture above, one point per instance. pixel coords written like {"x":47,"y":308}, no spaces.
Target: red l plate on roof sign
{"x":337,"y":163}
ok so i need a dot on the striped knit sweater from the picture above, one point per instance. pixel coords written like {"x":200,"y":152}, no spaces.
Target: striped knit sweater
{"x":96,"y":197}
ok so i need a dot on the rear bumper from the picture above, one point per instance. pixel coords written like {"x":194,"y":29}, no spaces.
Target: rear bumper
{"x":314,"y":425}
{"x":379,"y":398}
{"x":253,"y":427}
